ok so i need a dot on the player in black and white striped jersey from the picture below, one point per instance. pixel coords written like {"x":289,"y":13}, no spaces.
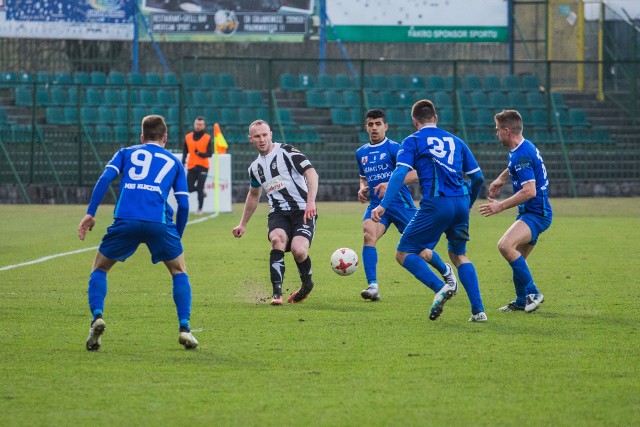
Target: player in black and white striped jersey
{"x":291,"y":183}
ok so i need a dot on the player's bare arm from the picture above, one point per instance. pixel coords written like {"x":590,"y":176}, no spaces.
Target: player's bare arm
{"x":363,"y":192}
{"x":312,"y":190}
{"x":250,"y":206}
{"x":381,"y":188}
{"x":377,"y":213}
{"x":527,"y":192}
{"x":86,"y":224}
{"x":496,"y":185}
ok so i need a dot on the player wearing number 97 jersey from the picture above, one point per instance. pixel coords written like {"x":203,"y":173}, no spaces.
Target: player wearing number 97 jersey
{"x":142,"y":215}
{"x":441,"y":161}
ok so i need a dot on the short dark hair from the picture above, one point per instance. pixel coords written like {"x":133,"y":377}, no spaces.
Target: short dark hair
{"x":376,"y":113}
{"x":200,"y":118}
{"x":423,"y":111}
{"x":509,"y":119}
{"x":153,"y":128}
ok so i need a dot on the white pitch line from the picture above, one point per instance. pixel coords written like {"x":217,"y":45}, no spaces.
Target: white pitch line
{"x":50,"y":257}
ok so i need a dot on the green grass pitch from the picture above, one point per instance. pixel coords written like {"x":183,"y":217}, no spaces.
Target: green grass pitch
{"x":334,"y":360}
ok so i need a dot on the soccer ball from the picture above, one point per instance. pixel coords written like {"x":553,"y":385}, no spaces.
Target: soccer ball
{"x":344,"y":261}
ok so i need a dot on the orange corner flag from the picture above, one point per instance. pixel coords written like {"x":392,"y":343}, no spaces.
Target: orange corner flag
{"x":218,"y":140}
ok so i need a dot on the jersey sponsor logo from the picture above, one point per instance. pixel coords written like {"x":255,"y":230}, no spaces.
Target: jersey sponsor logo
{"x":147,"y":187}
{"x":273,"y":185}
{"x":364,"y":160}
{"x":382,"y":156}
{"x":376,"y":168}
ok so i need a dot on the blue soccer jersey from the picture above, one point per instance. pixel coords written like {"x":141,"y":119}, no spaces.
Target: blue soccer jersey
{"x":441,"y":159}
{"x":376,"y":163}
{"x":526,"y":165}
{"x":148,"y":173}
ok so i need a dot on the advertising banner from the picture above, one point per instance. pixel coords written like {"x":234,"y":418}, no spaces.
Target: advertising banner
{"x":417,"y":21}
{"x":67,"y":19}
{"x":248,"y":20}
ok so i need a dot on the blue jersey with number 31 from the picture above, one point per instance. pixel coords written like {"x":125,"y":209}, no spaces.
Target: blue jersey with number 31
{"x":148,"y":172}
{"x":440,"y":159}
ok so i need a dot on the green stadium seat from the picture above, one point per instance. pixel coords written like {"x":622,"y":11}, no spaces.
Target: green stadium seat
{"x":62,"y":77}
{"x":492,"y":82}
{"x":480,"y":99}
{"x":147,"y":97}
{"x":57,"y":96}
{"x":246,"y":115}
{"x":120,"y":133}
{"x":103,"y":134}
{"x":262,"y":113}
{"x":373,"y":99}
{"x":89,"y":115}
{"x":306,"y":81}
{"x":70,"y":115}
{"x":173,"y":116}
{"x":531,"y":82}
{"x":121,"y":114}
{"x":227,"y":81}
{"x":8,"y":77}
{"x":137,"y":114}
{"x":405,"y":99}
{"x":536,"y":100}
{"x":219,"y":98}
{"x":166,"y":98}
{"x":558,"y":100}
{"x":497,"y":100}
{"x":399,"y":82}
{"x":288,"y":82}
{"x":452,"y":84}
{"x":472,"y":82}
{"x":578,"y":118}
{"x":442,"y":99}
{"x":116,"y":78}
{"x":343,"y":81}
{"x":200,"y":98}
{"x":435,"y":82}
{"x":98,"y":78}
{"x":285,"y":116}
{"x":398,"y":117}
{"x":105,"y":115}
{"x":72,"y":95}
{"x":484,"y":118}
{"x":351,"y":99}
{"x":114,"y":97}
{"x":236,"y":98}
{"x":511,"y":83}
{"x":208,"y":80}
{"x":25,"y":77}
{"x":601,"y":136}
{"x":54,"y":115}
{"x":343,"y":117}
{"x":326,"y":81}
{"x":43,"y":77}
{"x":538,"y":118}
{"x":333,"y":98}
{"x":379,"y":82}
{"x":464,"y":99}
{"x":94,"y":97}
{"x":316,"y":99}
{"x":417,"y":82}
{"x":154,"y":79}
{"x":190,"y":80}
{"x":81,"y":78}
{"x":134,"y":78}
{"x":516,"y":100}
{"x":24,"y":96}
{"x":170,"y":79}
{"x":445,"y":117}
{"x":229,"y":116}
{"x":254,"y":98}
{"x":389,"y":99}
{"x":468,"y":117}
{"x":422,"y":94}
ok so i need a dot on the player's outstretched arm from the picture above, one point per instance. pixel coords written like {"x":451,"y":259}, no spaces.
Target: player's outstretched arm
{"x":250,"y":206}
{"x":86,"y":224}
{"x":312,"y":190}
{"x":496,"y":185}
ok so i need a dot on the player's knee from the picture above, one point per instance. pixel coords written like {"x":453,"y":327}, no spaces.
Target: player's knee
{"x":300,"y":252}
{"x":505,"y":247}
{"x":400,"y":256}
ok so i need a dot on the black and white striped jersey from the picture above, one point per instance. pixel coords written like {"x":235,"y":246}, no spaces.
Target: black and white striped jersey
{"x":280,"y":174}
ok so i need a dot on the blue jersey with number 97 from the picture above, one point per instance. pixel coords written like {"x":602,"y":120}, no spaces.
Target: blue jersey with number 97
{"x":526,"y":165}
{"x":441,"y":159}
{"x":148,"y":173}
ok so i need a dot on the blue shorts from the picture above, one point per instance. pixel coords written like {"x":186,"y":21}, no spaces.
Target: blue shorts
{"x":536,"y":223}
{"x":437,"y":215}
{"x":124,"y":236}
{"x":398,"y":215}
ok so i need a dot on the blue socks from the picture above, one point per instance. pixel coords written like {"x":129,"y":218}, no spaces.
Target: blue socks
{"x":370,"y":262}
{"x":97,"y":292}
{"x":182,"y":298}
{"x":469,"y":279}
{"x":420,"y":269}
{"x":522,"y":279}
{"x":437,"y":263}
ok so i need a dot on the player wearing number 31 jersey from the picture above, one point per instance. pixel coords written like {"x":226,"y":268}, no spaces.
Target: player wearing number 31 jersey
{"x":441,"y":161}
{"x":142,"y":215}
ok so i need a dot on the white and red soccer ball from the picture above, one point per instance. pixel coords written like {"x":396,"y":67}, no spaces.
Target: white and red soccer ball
{"x":344,"y":261}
